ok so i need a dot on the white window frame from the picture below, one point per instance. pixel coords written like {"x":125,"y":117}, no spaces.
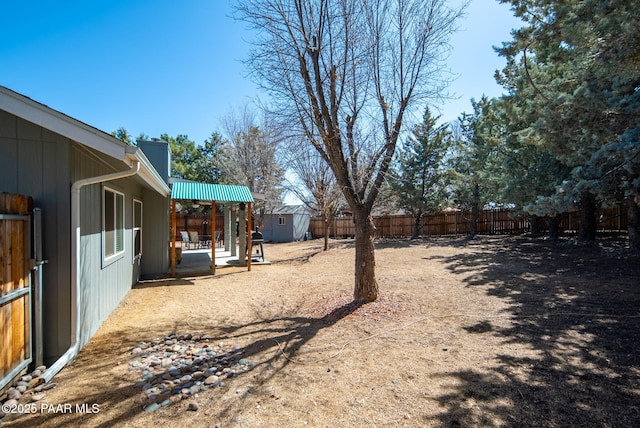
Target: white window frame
{"x":282,"y":221}
{"x":110,"y":249}
{"x":136,"y":230}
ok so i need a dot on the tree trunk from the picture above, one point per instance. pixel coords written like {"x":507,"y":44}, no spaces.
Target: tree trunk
{"x":588,"y":224}
{"x":475,"y":212}
{"x":366,"y":286}
{"x":534,"y":225}
{"x":473,"y":223}
{"x":416,"y":226}
{"x":325,"y":219}
{"x":554,"y":227}
{"x":633,"y":224}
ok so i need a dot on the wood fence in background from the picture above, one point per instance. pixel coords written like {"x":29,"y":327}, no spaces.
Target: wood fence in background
{"x":491,"y":222}
{"x":197,"y":222}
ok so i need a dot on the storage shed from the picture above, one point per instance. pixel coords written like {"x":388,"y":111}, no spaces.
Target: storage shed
{"x":286,"y":223}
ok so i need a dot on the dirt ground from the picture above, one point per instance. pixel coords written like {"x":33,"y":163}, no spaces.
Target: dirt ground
{"x":492,"y":332}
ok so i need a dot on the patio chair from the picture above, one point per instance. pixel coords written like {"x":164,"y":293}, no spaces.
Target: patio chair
{"x":185,"y":239}
{"x":195,"y":239}
{"x":218,"y":240}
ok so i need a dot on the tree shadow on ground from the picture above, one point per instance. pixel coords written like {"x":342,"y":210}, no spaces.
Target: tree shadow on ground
{"x":271,"y":345}
{"x":399,"y":243}
{"x":577,"y":312}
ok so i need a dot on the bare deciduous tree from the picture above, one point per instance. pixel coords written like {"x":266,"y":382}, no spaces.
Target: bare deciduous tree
{"x":315,"y":184}
{"x":346,"y":73}
{"x":251,"y":155}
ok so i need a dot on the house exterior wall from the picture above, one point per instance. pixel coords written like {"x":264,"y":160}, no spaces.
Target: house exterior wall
{"x":42,"y":164}
{"x":105,"y":283}
{"x":102,"y":285}
{"x":156,"y":213}
{"x":35,"y":162}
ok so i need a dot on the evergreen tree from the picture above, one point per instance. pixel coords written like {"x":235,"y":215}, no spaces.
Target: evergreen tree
{"x":525,"y":173}
{"x":122,"y":135}
{"x":574,"y":69}
{"x":184,"y":157}
{"x":472,"y":166}
{"x":210,"y":165}
{"x":418,"y":177}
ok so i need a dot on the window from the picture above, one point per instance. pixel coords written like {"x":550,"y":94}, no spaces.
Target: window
{"x":281,"y":221}
{"x":137,"y":229}
{"x":113,"y":223}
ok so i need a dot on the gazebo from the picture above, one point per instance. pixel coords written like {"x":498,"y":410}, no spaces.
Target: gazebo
{"x":211,"y":194}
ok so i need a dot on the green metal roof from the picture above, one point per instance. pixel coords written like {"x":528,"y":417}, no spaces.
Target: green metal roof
{"x":210,"y":192}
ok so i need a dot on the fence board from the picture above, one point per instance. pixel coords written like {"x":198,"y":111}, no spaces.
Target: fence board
{"x":199,"y":222}
{"x":490,"y":222}
{"x":15,"y":297}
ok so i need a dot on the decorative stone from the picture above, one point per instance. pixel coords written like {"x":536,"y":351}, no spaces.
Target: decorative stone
{"x":211,"y":380}
{"x":49,"y":386}
{"x":11,"y":403}
{"x":151,"y":407}
{"x":14,"y":394}
{"x":152,"y":391}
{"x":38,"y":397}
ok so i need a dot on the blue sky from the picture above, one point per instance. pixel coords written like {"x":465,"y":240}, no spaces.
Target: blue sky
{"x":175,"y":67}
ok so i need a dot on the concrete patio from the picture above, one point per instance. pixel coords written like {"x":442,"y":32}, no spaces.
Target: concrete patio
{"x":198,"y":261}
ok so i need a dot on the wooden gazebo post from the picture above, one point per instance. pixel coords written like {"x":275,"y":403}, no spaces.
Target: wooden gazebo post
{"x":249,"y":232}
{"x":213,"y":237}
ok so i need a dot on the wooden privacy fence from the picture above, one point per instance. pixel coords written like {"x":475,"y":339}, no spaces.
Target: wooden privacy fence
{"x":15,"y":286}
{"x":198,"y":222}
{"x":490,"y":222}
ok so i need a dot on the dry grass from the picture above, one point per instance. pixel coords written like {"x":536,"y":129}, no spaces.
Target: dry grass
{"x":491,"y":332}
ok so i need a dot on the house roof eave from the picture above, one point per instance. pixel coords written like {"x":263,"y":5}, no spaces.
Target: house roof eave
{"x":55,"y":121}
{"x":60,"y":123}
